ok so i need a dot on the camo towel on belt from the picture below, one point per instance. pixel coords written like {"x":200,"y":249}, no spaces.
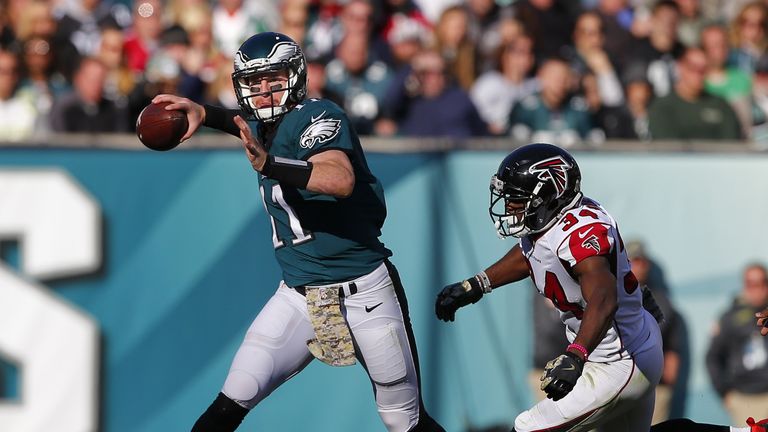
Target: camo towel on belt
{"x":333,"y":340}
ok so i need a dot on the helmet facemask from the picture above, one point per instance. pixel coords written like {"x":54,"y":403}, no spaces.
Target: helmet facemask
{"x":511,"y":208}
{"x":518,"y":213}
{"x":280,"y":78}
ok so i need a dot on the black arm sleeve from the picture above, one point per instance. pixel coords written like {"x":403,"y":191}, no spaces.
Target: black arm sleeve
{"x":222,"y":119}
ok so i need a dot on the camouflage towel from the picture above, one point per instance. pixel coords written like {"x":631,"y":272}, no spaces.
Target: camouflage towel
{"x":333,"y":342}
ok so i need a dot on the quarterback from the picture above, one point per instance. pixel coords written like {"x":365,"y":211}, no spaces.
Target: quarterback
{"x":571,"y":248}
{"x":340,"y":299}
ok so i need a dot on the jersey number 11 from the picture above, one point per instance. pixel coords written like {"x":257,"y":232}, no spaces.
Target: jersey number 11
{"x":299,"y":234}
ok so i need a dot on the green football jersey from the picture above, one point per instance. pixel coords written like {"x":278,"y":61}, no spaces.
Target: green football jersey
{"x":320,"y":239}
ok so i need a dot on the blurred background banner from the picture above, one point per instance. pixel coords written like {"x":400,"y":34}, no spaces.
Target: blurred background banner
{"x":130,"y":277}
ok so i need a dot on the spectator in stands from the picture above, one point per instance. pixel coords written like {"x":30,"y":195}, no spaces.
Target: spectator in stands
{"x":235,"y":20}
{"x":509,"y":29}
{"x":496,"y":92}
{"x":389,"y":13}
{"x":361,"y":81}
{"x":37,"y":21}
{"x":554,"y":114}
{"x":429,"y":104}
{"x":550,"y":24}
{"x":120,"y":80}
{"x":142,"y":37}
{"x":80,"y":21}
{"x":730,"y":83}
{"x":202,"y":57}
{"x":759,"y":133}
{"x":589,"y":57}
{"x":659,"y":51}
{"x":674,"y":375}
{"x":316,"y":82}
{"x":86,"y":109}
{"x":616,"y":18}
{"x":323,"y":29}
{"x":41,"y":80}
{"x":691,"y":22}
{"x":629,"y":121}
{"x":356,"y":18}
{"x":174,"y":10}
{"x":293,"y":22}
{"x":406,"y":39}
{"x":748,"y":37}
{"x":484,"y":28}
{"x":737,"y":359}
{"x":174,"y":42}
{"x":18,"y":114}
{"x":689,"y":111}
{"x":221,"y":91}
{"x":453,"y":42}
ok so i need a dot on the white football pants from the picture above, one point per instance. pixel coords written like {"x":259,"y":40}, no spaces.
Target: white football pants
{"x":275,"y":347}
{"x":616,"y":396}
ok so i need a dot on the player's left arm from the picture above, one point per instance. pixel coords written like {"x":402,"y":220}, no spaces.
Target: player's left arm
{"x":512,"y":267}
{"x":762,"y":320}
{"x":332,"y":174}
{"x":329,"y":172}
{"x":598,"y":286}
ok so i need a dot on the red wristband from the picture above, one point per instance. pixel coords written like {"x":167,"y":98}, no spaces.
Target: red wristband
{"x":579,"y":348}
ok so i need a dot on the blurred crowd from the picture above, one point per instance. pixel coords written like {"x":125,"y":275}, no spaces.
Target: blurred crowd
{"x":536,"y":70}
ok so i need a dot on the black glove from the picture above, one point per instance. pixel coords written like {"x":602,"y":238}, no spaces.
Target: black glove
{"x":649,"y":303}
{"x":561,"y":374}
{"x":455,"y":296}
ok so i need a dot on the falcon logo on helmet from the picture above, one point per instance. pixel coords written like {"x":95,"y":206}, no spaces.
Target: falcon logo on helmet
{"x":555,"y":170}
{"x":533,"y":187}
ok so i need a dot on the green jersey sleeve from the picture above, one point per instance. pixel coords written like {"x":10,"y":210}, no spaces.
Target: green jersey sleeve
{"x":321,"y":125}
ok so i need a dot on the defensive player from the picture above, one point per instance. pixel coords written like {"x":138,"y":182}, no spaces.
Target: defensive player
{"x":340,"y":299}
{"x":572,"y":250}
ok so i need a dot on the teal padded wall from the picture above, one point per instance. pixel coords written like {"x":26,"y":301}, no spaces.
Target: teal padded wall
{"x":188,"y":262}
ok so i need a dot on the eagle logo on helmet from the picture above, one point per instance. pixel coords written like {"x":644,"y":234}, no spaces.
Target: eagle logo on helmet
{"x":554,"y":169}
{"x":281,"y":51}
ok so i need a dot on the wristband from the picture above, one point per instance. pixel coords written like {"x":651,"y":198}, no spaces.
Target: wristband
{"x":292,"y":172}
{"x":484,"y":282}
{"x":579,"y":348}
{"x":221,"y":119}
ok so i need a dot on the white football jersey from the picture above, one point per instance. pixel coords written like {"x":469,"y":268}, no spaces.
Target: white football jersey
{"x":584,"y":231}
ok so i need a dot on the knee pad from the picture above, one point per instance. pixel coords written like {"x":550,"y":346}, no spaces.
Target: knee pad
{"x":250,"y":378}
{"x":223,"y":415}
{"x":395,"y":420}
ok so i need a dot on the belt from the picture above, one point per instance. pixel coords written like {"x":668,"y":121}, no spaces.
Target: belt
{"x":346,"y":289}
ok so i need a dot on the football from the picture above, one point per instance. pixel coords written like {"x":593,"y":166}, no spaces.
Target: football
{"x":159,"y":129}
